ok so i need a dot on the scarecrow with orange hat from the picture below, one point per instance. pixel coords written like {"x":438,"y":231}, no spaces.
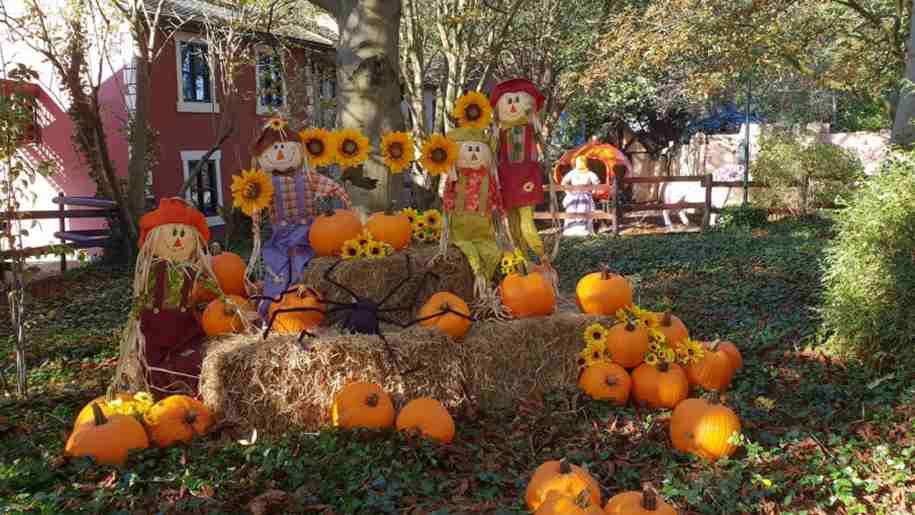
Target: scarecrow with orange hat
{"x":162,"y":349}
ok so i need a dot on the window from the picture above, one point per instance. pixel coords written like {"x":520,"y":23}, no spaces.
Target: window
{"x":196,"y":89}
{"x":206,"y":189}
{"x":271,"y":96}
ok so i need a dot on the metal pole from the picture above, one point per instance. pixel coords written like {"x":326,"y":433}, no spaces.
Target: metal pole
{"x":746,"y":169}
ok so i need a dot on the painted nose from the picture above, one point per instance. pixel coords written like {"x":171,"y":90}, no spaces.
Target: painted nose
{"x":514,"y":109}
{"x":473,"y":157}
{"x":178,"y":244}
{"x":280,"y":156}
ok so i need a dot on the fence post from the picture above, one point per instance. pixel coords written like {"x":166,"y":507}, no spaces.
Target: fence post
{"x":617,"y":211}
{"x":707,"y":212}
{"x":63,"y":227}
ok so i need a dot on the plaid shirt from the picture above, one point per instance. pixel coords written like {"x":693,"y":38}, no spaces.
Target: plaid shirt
{"x":473,"y":195}
{"x":316,"y":186}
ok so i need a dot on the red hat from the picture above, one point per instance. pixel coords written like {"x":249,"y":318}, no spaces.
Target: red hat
{"x":511,"y":85}
{"x":173,"y":211}
{"x":276,"y":130}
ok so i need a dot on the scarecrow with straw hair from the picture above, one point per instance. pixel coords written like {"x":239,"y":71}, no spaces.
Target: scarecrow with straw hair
{"x":162,"y":348}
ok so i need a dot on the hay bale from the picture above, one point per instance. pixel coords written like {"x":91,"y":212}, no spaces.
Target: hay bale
{"x":375,"y":278}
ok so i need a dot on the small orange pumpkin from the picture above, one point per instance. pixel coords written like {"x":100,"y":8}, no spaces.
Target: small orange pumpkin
{"x":673,"y":329}
{"x":428,"y":417}
{"x":714,"y":371}
{"x":603,"y":293}
{"x":713,"y":430}
{"x":637,"y":503}
{"x":560,"y":478}
{"x":606,"y":381}
{"x":331,"y":229}
{"x":177,"y":418}
{"x":362,"y":405}
{"x":230,"y":270}
{"x":731,"y":350}
{"x":627,"y":343}
{"x":394,"y":229}
{"x":107,"y":439}
{"x":450,"y":323}
{"x":565,"y":505}
{"x":296,"y":322}
{"x":527,"y":295}
{"x":221,"y":318}
{"x":682,"y":423}
{"x":86,"y":414}
{"x":661,"y":386}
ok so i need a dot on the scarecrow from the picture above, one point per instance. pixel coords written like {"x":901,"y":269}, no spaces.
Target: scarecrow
{"x":296,"y":190}
{"x":163,"y":336}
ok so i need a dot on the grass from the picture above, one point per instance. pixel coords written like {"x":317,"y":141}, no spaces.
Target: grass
{"x":840,"y":437}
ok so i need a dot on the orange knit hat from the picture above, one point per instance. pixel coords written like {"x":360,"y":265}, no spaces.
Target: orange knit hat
{"x":173,"y":211}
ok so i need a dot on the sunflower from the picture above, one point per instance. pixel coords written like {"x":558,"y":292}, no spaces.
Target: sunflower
{"x":656,"y":336}
{"x":508,"y":270}
{"x":388,"y":248}
{"x":668,"y":355}
{"x":420,"y":224}
{"x":251,"y":191}
{"x":351,"y":249}
{"x":695,"y":350}
{"x":439,"y":154}
{"x":277,"y":124}
{"x":319,"y":146}
{"x":374,"y":249}
{"x":595,"y":333}
{"x":364,"y":238}
{"x":352,"y":147}
{"x":646,"y":317}
{"x":508,"y":261}
{"x":472,"y":110}
{"x":655,"y":347}
{"x":682,"y":356}
{"x":397,"y":151}
{"x":411,"y":214}
{"x":433,"y":219}
{"x":651,"y":358}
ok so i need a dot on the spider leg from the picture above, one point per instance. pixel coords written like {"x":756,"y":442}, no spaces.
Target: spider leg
{"x":393,"y":357}
{"x":335,"y":283}
{"x":287,"y":310}
{"x":400,"y":284}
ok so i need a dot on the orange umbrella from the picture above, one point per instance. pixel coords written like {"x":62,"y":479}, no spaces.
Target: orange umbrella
{"x":602,"y":157}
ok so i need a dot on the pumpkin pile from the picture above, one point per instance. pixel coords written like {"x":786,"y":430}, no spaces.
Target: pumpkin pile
{"x":368,"y":406}
{"x":650,"y":358}
{"x":106,"y":430}
{"x":220,"y":305}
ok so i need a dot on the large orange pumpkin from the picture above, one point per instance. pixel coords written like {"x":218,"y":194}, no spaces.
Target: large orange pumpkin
{"x":603,"y":293}
{"x":714,"y":371}
{"x":661,"y":386}
{"x":329,"y":231}
{"x":565,"y":505}
{"x":527,"y":295}
{"x":637,"y":503}
{"x":606,"y":381}
{"x":682,"y":423}
{"x":560,"y":478}
{"x":704,"y":428}
{"x":450,"y":323}
{"x":221,"y":318}
{"x":429,"y":418}
{"x":230,"y":273}
{"x":107,"y":439}
{"x":86,"y":414}
{"x":362,"y":405}
{"x":177,"y":418}
{"x":627,"y":343}
{"x":394,"y":229}
{"x":298,"y":321}
{"x":673,"y":329}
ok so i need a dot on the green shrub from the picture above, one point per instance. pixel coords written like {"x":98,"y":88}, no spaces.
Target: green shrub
{"x":749,"y":217}
{"x":869,"y":298}
{"x":787,"y":159}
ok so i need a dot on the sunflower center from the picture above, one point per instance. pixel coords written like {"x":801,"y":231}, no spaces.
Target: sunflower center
{"x":350,"y":147}
{"x":252,"y":191}
{"x":396,"y":150}
{"x":439,"y":155}
{"x":315,"y":147}
{"x":473,"y":112}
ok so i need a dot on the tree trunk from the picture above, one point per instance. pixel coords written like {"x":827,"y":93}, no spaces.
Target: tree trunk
{"x":368,"y":78}
{"x":903,"y":131}
{"x":137,"y":168}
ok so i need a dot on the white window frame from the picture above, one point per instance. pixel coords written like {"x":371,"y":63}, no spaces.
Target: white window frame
{"x":194,"y":107}
{"x":196,"y":155}
{"x":263,"y":110}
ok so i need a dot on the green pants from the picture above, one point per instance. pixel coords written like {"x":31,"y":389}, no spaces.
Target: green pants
{"x":475,"y":235}
{"x":524,"y":232}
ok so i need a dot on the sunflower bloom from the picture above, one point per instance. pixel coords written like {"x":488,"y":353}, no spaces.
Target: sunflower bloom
{"x":352,"y":148}
{"x":388,"y":248}
{"x":397,"y":151}
{"x":432,"y":219}
{"x":319,"y":146}
{"x":655,"y":347}
{"x":374,"y":249}
{"x":364,"y":238}
{"x":251,"y":191}
{"x":439,"y":154}
{"x":351,"y":250}
{"x":682,"y":356}
{"x":668,"y":355}
{"x":651,"y":358}
{"x":472,"y":110}
{"x":764,"y":403}
{"x":622,"y":315}
{"x":595,"y":333}
{"x":645,"y":317}
{"x":696,"y":351}
{"x":277,"y":124}
{"x":411,"y":214}
{"x":656,"y":336}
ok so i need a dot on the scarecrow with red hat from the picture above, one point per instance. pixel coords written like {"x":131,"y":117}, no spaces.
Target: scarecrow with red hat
{"x":162,"y":349}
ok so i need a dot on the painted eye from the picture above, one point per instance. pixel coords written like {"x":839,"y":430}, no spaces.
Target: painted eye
{"x":175,"y":231}
{"x":182,"y":233}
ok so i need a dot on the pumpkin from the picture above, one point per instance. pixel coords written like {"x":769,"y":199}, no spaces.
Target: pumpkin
{"x":682,"y":422}
{"x":527,"y":295}
{"x":394,"y":229}
{"x":177,"y":418}
{"x":606,"y":381}
{"x":221,"y":318}
{"x":454,"y":325}
{"x":603,"y":293}
{"x":661,"y":386}
{"x":107,"y":439}
{"x":330,"y":230}
{"x":564,"y":505}
{"x":86,"y":414}
{"x":627,"y":343}
{"x":673,"y":329}
{"x":704,"y":428}
{"x":428,"y":417}
{"x":230,"y":271}
{"x":362,"y":405}
{"x":714,"y":371}
{"x":637,"y":503}
{"x":201,"y":294}
{"x":560,"y":478}
{"x":731,"y":350}
{"x":298,"y":321}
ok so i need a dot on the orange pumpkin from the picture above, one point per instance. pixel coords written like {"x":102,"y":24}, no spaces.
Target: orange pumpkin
{"x":713,"y":430}
{"x":428,"y":417}
{"x":452,"y":324}
{"x":298,"y":321}
{"x":673,"y":329}
{"x":661,"y":386}
{"x":86,"y":414}
{"x":603,"y":293}
{"x":606,"y":381}
{"x":731,"y":350}
{"x":637,"y":503}
{"x":229,"y":269}
{"x":682,"y":423}
{"x":177,"y":418}
{"x":221,"y":318}
{"x":107,"y":439}
{"x":394,"y":229}
{"x":714,"y":371}
{"x":627,"y":343}
{"x":560,"y":478}
{"x":564,"y":505}
{"x":330,"y":230}
{"x":362,"y":405}
{"x":527,"y":295}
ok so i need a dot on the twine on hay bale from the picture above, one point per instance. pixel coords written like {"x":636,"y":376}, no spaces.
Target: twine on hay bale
{"x":275,"y":384}
{"x":375,"y":278}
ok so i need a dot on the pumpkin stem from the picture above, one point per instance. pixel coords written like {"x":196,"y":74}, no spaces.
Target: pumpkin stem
{"x":98,"y":415}
{"x":190,"y":418}
{"x":611,"y":381}
{"x":564,"y":467}
{"x":630,"y":325}
{"x":583,"y":500}
{"x":604,"y":272}
{"x":664,"y":366}
{"x":325,"y":207}
{"x":215,"y":248}
{"x":666,"y":320}
{"x":372,"y":400}
{"x":649,"y":499}
{"x":713,"y":345}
